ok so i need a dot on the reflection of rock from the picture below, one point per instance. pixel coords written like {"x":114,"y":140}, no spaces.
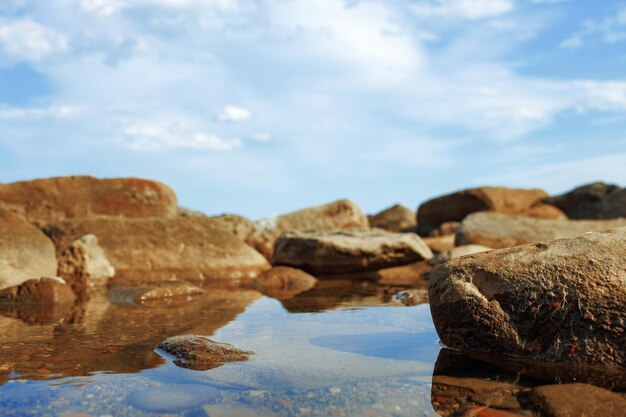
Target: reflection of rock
{"x":411,"y":297}
{"x":396,"y":218}
{"x":199,"y":353}
{"x":42,"y":291}
{"x":577,"y":400}
{"x":339,"y":252}
{"x":283,"y":282}
{"x":177,"y":291}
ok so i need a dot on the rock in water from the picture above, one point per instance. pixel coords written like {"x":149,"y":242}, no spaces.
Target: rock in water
{"x":25,"y":252}
{"x":52,"y":200}
{"x":48,"y":290}
{"x":561,"y":300}
{"x":577,"y":400}
{"x":331,"y":253}
{"x":283,"y":282}
{"x":592,"y":201}
{"x":199,"y":353}
{"x":394,"y":219}
{"x":456,"y":206}
{"x":178,"y":291}
{"x":497,"y":230}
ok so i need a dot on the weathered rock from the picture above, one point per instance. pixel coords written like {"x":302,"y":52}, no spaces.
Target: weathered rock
{"x":52,"y":200}
{"x":47,"y":290}
{"x":338,"y":215}
{"x":247,"y":231}
{"x":170,"y":291}
{"x":497,"y":230}
{"x":158,"y":250}
{"x":325,"y":253}
{"x":561,"y":300}
{"x":199,"y":353}
{"x":84,"y":266}
{"x":577,"y":400}
{"x":440,"y":244}
{"x":592,"y":201}
{"x":457,"y":252}
{"x":25,"y":252}
{"x":394,"y":219}
{"x":456,"y":206}
{"x":283,"y":282}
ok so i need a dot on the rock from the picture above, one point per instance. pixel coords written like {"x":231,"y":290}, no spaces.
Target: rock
{"x":394,"y":219}
{"x":84,"y":266}
{"x":154,"y":250}
{"x":457,"y":252}
{"x":592,"y":201}
{"x":172,"y":291}
{"x":283,"y":282}
{"x":48,"y":290}
{"x":325,"y":253}
{"x":446,"y":228}
{"x":456,"y":206}
{"x":25,"y":252}
{"x":577,"y":400}
{"x":411,"y":275}
{"x":439,"y":244}
{"x":199,"y":353}
{"x":497,"y":230}
{"x":247,"y":231}
{"x":561,"y":300}
{"x":52,"y":200}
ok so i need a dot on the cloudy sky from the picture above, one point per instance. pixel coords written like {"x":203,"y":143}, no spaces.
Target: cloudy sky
{"x":263,"y":106}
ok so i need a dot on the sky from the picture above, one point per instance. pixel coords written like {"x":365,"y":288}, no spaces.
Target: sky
{"x":260,"y":107}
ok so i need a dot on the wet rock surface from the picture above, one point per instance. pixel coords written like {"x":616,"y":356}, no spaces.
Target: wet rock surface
{"x":576,"y":400}
{"x":168,"y":292}
{"x":497,"y":230}
{"x":43,"y":291}
{"x":396,"y":218}
{"x":283,"y":282}
{"x":561,"y":300}
{"x":592,"y":201}
{"x":199,"y":353}
{"x":325,"y":253}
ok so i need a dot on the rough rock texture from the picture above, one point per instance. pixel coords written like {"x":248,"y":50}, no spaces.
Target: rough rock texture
{"x":247,"y":231}
{"x":157,"y":249}
{"x":440,"y":244}
{"x":577,"y":400}
{"x":338,"y":215}
{"x":394,"y":219}
{"x":561,"y":300}
{"x":171,"y":291}
{"x":456,"y":206}
{"x":199,"y":353}
{"x":457,"y":252}
{"x":283,"y":282}
{"x":326,"y":253}
{"x":48,"y":290}
{"x":25,"y":252}
{"x":592,"y":201}
{"x":497,"y":230}
{"x":52,"y":200}
{"x":84,"y":266}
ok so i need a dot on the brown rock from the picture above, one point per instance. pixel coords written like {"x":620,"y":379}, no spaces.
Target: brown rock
{"x":84,"y":266}
{"x":338,"y":215}
{"x":247,"y":231}
{"x":497,"y":230}
{"x":25,"y":252}
{"x":440,"y":244}
{"x":199,"y":353}
{"x":157,"y":250}
{"x":325,"y":253}
{"x":411,"y":297}
{"x":52,"y":200}
{"x":561,"y":300}
{"x":446,"y":228}
{"x":394,"y":219}
{"x":48,"y":290}
{"x":577,"y":400}
{"x":283,"y":282}
{"x":411,"y":275}
{"x":545,"y":211}
{"x":171,"y":291}
{"x":592,"y":201}
{"x":456,"y":206}
{"x":457,"y":252}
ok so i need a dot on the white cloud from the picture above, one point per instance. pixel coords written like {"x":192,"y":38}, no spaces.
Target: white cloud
{"x":26,"y":39}
{"x":610,"y":30}
{"x":110,"y":7}
{"x":53,"y":112}
{"x":161,"y":137}
{"x":234,"y":114}
{"x":463,"y":9}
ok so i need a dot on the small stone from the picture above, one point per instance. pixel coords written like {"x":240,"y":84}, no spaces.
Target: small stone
{"x":199,"y":353}
{"x":174,"y":291}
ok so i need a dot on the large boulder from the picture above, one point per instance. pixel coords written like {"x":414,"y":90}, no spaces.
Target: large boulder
{"x":45,"y":201}
{"x":338,"y":252}
{"x":456,"y":206}
{"x":561,"y":300}
{"x":394,"y":219}
{"x":592,"y":201}
{"x":158,"y":249}
{"x":25,"y":252}
{"x":497,"y":230}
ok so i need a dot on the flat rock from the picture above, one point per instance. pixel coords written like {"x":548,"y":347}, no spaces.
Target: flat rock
{"x":51,"y":200}
{"x":592,"y":201}
{"x":498,"y":230}
{"x":199,"y":353}
{"x":397,"y":218}
{"x":457,"y":252}
{"x":326,"y":253}
{"x":456,"y":206}
{"x":25,"y":252}
{"x":577,"y":400}
{"x":47,"y":290}
{"x":183,"y":290}
{"x":154,"y":250}
{"x":561,"y":300}
{"x":283,"y":282}
{"x":84,"y":266}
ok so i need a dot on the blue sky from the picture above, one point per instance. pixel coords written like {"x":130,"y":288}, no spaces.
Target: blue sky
{"x":264,"y":106}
